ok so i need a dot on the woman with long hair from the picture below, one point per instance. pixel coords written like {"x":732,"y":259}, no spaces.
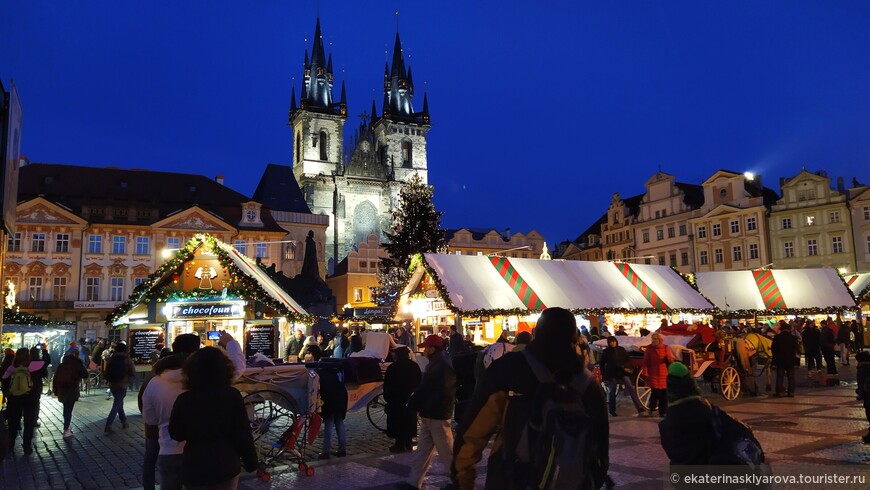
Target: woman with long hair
{"x":23,"y":397}
{"x":211,"y":418}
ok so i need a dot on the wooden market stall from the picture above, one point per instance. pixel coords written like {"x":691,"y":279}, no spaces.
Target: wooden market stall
{"x":496,"y":293}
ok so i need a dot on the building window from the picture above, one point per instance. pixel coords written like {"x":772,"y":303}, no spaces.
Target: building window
{"x":137,"y":281}
{"x":812,"y":247}
{"x":323,"y":147}
{"x":735,"y":226}
{"x":684,"y":258}
{"x":119,"y":244}
{"x":723,"y":193}
{"x":786,"y":223}
{"x":357,"y":295}
{"x":717,"y":230}
{"x":95,"y":244}
{"x":835,"y":216}
{"x":866,"y":213}
{"x":37,"y":242}
{"x":753,"y":251}
{"x":479,"y":253}
{"x":373,"y":265}
{"x":702,"y":232}
{"x":58,"y":289}
{"x":660,"y":235}
{"x":658,"y":214}
{"x":261,"y":250}
{"x":407,"y":153}
{"x":868,"y":244}
{"x":673,"y":260}
{"x":458,"y":252}
{"x":671,"y":232}
{"x":646,"y":237}
{"x":61,"y":242}
{"x":682,"y":230}
{"x":737,"y":253}
{"x":718,"y":256}
{"x":621,"y":236}
{"x":34,"y":289}
{"x":298,"y":147}
{"x":14,"y":244}
{"x":811,"y":220}
{"x":240,"y":246}
{"x":647,"y":261}
{"x":92,"y":289}
{"x":661,"y":259}
{"x":703,"y":257}
{"x":290,"y":251}
{"x":837,"y":244}
{"x":788,"y":249}
{"x":116,"y":292}
{"x":142,"y":245}
{"x":751,"y":224}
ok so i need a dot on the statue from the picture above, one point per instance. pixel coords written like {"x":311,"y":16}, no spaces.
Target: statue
{"x":310,"y":268}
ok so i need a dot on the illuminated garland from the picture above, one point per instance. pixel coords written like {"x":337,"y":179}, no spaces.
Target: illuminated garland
{"x":846,"y":285}
{"x":13,"y":317}
{"x":863,"y":295}
{"x":829,"y":310}
{"x":244,"y":286}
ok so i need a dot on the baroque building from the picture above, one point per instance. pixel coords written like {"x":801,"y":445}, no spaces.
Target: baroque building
{"x":662,"y":232}
{"x":355,"y":183}
{"x":859,"y":203}
{"x":489,"y":241}
{"x":617,"y":232}
{"x":810,"y":225}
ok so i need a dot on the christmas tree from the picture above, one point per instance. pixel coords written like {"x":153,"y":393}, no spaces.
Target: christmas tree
{"x":416,"y":229}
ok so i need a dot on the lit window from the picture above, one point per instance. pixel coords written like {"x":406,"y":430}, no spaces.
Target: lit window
{"x":458,"y":252}
{"x":479,"y":254}
{"x":261,"y":250}
{"x":407,"y":153}
{"x":290,"y":251}
{"x":119,"y":244}
{"x":357,"y":295}
{"x":61,"y":242}
{"x":812,"y":247}
{"x":116,"y":291}
{"x":95,"y":244}
{"x":837,"y":244}
{"x":37,"y":243}
{"x":142,"y":245}
{"x":811,"y":220}
{"x":788,"y":249}
{"x":703,"y":257}
{"x":753,"y":250}
{"x":718,"y":256}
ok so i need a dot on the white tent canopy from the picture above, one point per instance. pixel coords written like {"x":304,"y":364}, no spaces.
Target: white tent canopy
{"x":786,"y":289}
{"x":499,"y":283}
{"x":858,"y":283}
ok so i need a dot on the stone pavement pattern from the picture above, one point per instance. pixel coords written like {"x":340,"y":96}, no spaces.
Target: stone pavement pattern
{"x":817,"y":428}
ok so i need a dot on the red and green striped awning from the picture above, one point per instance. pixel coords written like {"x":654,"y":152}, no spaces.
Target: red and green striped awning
{"x":641,"y":286}
{"x":513,"y":279}
{"x":770,"y":293}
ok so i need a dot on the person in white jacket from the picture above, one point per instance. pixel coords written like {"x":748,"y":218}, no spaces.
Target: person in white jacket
{"x":160,"y":394}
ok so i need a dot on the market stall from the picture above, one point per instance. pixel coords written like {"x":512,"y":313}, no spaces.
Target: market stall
{"x":208,"y":286}
{"x":484,"y":289}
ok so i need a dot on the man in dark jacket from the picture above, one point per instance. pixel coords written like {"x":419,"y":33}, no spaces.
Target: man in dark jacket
{"x":844,"y":341}
{"x":811,"y":338}
{"x":827,"y":343}
{"x":433,"y":400}
{"x":295,"y":345}
{"x":614,"y":361}
{"x":863,"y":372}
{"x":687,"y":430}
{"x":785,"y":354}
{"x":400,"y":380}
{"x":502,"y":404}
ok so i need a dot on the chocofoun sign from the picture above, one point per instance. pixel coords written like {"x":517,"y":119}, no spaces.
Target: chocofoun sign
{"x":178,"y":311}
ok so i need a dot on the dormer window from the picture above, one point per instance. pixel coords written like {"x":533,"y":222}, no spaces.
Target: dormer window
{"x":251,"y":215}
{"x":723,"y":193}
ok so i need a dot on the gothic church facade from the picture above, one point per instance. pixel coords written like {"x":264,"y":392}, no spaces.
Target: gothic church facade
{"x":355,"y":183}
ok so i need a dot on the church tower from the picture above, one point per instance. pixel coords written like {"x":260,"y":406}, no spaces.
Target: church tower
{"x":401,"y":132}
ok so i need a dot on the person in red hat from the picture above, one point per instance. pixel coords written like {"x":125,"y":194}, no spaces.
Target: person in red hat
{"x":433,"y":400}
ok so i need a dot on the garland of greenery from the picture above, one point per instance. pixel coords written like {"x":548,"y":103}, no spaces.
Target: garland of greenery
{"x":864,"y":295}
{"x":14,"y":317}
{"x":244,"y":286}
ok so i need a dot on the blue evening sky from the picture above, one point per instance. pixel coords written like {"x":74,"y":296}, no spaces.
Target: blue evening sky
{"x":540,"y":110}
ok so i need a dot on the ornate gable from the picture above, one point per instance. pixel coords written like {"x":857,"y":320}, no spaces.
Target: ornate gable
{"x":40,"y":210}
{"x":12,"y":269}
{"x":141,"y":270}
{"x":118,"y":268}
{"x":93,"y":270}
{"x":194,"y":219}
{"x":59,"y":269}
{"x":36,"y":269}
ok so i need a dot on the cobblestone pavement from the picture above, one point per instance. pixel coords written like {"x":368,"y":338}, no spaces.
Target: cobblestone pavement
{"x":818,"y":428}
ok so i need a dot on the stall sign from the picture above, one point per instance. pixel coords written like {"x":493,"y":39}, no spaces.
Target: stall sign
{"x":260,"y":338}
{"x":183,"y":311}
{"x":382,"y":311}
{"x":142,"y":341}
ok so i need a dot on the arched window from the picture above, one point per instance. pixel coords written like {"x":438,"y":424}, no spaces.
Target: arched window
{"x":298,"y":147}
{"x":407,"y":153}
{"x":323,"y":153}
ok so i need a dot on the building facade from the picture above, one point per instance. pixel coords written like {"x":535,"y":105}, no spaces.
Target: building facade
{"x":662,"y":232}
{"x":489,"y":241}
{"x":355,"y":183}
{"x":87,"y":236}
{"x":356,"y":275}
{"x":810,"y":225}
{"x":730,"y":229}
{"x":617,"y":232}
{"x":859,"y":204}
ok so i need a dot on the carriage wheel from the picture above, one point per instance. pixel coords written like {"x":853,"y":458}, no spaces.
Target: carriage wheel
{"x":729,"y":383}
{"x":376,"y":412}
{"x":271,"y":415}
{"x":641,"y":387}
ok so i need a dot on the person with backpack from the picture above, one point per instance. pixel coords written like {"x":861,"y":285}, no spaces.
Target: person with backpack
{"x":66,"y":386}
{"x":119,"y":371}
{"x":434,"y":401}
{"x":23,"y":374}
{"x":863,"y":390}
{"x":8,"y":359}
{"x":539,"y":402}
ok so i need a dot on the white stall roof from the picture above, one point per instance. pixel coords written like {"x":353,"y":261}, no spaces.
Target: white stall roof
{"x":501,"y":283}
{"x":786,"y":289}
{"x":858,"y":283}
{"x":251,"y":268}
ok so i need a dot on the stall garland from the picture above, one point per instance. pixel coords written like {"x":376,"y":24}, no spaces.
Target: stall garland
{"x":244,"y":286}
{"x":13,"y":317}
{"x":522,"y":311}
{"x":863,"y":295}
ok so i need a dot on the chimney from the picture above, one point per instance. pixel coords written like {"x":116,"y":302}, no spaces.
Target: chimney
{"x":841,"y":187}
{"x":219,"y":179}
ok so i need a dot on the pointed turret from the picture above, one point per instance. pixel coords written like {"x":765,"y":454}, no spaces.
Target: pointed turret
{"x":342,"y":103}
{"x":318,"y":79}
{"x":410,"y":81}
{"x":398,"y":90}
{"x":425,"y":112}
{"x":374,"y":112}
{"x":329,"y":65}
{"x":292,"y":100}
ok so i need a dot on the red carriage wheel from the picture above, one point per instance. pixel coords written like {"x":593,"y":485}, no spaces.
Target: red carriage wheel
{"x":310,"y":472}
{"x":303,"y":467}
{"x":266,"y":477}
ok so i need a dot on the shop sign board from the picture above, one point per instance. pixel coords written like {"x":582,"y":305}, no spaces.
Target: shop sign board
{"x":260,"y":338}
{"x":183,"y":311}
{"x":142,"y":341}
{"x":363,"y":312}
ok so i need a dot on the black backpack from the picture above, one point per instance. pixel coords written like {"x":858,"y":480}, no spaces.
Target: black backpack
{"x":116,"y":368}
{"x":555,"y":449}
{"x":734,"y":442}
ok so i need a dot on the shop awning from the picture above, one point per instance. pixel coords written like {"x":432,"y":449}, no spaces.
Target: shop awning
{"x":860,"y":285}
{"x":502,"y":284}
{"x":786,"y":291}
{"x":251,"y":268}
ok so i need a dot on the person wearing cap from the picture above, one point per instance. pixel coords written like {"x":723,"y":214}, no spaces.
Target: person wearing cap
{"x":502,"y":405}
{"x":434,"y":401}
{"x":785,"y":355}
{"x":687,"y":429}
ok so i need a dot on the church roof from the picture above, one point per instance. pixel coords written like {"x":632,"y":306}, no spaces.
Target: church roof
{"x":279,"y":190}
